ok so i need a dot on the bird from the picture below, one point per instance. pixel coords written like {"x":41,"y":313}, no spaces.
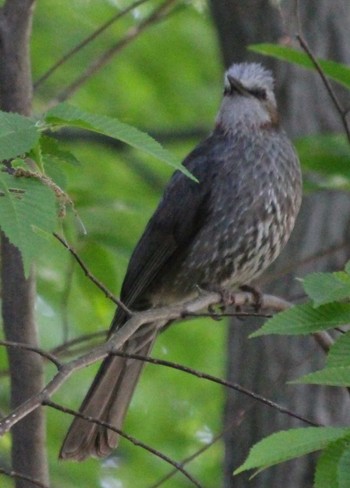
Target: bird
{"x":221,"y":231}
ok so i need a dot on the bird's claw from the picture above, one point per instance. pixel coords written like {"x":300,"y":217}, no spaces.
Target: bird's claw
{"x":257,"y":296}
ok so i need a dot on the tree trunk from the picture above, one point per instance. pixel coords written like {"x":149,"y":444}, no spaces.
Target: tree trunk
{"x":18,"y":293}
{"x":266,"y":364}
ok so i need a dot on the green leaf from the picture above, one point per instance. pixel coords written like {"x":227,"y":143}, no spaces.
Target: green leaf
{"x":18,"y":135}
{"x":36,"y":155}
{"x":49,"y":146}
{"x":337,"y":71}
{"x":327,"y":287}
{"x":339,"y":376}
{"x":289,"y":444}
{"x":305,"y":319}
{"x":65,"y":114}
{"x":344,"y":469}
{"x":337,"y":370}
{"x":25,"y":205}
{"x":339,"y":353}
{"x":326,"y":474}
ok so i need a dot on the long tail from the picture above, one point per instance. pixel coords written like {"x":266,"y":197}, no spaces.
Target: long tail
{"x":107,"y":399}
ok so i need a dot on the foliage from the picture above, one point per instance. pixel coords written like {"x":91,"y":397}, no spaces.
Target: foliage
{"x":336,"y":71}
{"x":328,"y":308}
{"x":159,"y":83}
{"x":322,"y":313}
{"x":26,"y":206}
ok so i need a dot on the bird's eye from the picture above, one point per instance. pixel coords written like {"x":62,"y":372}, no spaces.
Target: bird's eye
{"x":259,"y":93}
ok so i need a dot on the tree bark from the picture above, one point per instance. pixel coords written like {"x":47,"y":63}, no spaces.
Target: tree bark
{"x":266,"y":364}
{"x":18,"y":293}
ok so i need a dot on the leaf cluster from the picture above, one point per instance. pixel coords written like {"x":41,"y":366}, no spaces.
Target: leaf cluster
{"x":29,"y":196}
{"x":328,"y":308}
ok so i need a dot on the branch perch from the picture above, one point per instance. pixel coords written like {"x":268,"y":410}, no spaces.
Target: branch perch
{"x":117,"y":340}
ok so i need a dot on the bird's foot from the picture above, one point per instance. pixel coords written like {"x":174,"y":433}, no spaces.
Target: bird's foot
{"x":257,"y":296}
{"x":227,"y":299}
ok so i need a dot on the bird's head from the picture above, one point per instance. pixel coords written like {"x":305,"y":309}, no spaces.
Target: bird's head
{"x":248,"y":97}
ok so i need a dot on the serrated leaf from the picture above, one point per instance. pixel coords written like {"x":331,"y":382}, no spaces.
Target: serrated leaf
{"x":339,"y":376}
{"x":18,"y":135}
{"x":54,"y":171}
{"x":339,"y":353}
{"x":337,"y":71}
{"x":26,"y":204}
{"x":326,"y":474}
{"x":305,"y":319}
{"x":65,"y":114}
{"x":36,"y":155}
{"x":327,"y":287}
{"x":344,"y":469}
{"x":289,"y":444}
{"x":49,"y":146}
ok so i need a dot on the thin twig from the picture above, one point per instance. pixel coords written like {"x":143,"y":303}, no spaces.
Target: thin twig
{"x":65,"y":299}
{"x":238,"y":420}
{"x":91,"y":277}
{"x":58,"y":350}
{"x":219,"y":381}
{"x":45,"y":354}
{"x":20,"y":476}
{"x":78,"y":340}
{"x":156,"y":16}
{"x":86,"y":41}
{"x":343,"y":113}
{"x":221,"y":315}
{"x":131,"y":439}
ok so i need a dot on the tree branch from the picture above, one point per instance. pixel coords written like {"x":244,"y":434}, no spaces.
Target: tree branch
{"x":214,"y":379}
{"x":86,"y":41}
{"x":91,"y":277}
{"x":20,"y":345}
{"x":128,"y":437}
{"x":343,"y":113}
{"x":116,"y":341}
{"x":159,"y":14}
{"x":198,"y":452}
{"x":20,"y":476}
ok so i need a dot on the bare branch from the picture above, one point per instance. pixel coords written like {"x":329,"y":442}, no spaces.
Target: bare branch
{"x":159,"y":14}
{"x":131,"y":439}
{"x":343,"y":113}
{"x":37,"y":350}
{"x":238,"y":420}
{"x":78,"y":340}
{"x":86,"y":41}
{"x":119,"y":337}
{"x":67,"y":288}
{"x":214,"y":379}
{"x":91,"y":277}
{"x":15,"y":474}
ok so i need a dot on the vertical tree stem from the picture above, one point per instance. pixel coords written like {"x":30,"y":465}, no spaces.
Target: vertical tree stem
{"x":18,"y":293}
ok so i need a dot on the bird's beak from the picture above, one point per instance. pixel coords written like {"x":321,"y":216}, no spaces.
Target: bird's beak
{"x":236,"y":85}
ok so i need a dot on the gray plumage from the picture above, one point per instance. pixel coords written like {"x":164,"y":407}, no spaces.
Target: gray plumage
{"x":221,"y":232}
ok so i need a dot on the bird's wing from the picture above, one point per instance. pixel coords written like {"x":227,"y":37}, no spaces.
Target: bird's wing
{"x":180,"y":213}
